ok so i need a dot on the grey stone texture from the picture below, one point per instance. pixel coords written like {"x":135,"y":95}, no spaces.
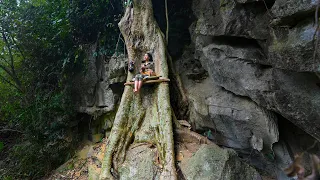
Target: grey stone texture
{"x":230,"y":18}
{"x":246,"y":67}
{"x":211,"y":162}
{"x":94,"y":86}
{"x":274,"y":67}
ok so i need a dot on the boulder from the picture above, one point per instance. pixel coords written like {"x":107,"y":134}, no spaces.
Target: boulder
{"x":241,"y":122}
{"x":284,"y":159}
{"x":212,"y":162}
{"x":139,"y":164}
{"x":97,"y":90}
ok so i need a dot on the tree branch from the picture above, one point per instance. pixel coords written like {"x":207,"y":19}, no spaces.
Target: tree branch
{"x":9,"y":49}
{"x":265,"y":4}
{"x":6,"y":69}
{"x":8,"y":81}
{"x":12,"y":73}
{"x":18,"y":47}
{"x":12,"y":130}
{"x":5,"y":60}
{"x":13,"y":76}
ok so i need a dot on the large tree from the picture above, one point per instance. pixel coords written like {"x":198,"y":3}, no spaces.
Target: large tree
{"x":142,"y":132}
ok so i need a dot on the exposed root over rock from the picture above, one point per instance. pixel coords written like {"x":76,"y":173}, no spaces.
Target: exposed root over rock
{"x":146,"y":117}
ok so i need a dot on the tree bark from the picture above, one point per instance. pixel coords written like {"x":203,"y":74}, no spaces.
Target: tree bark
{"x":145,"y":118}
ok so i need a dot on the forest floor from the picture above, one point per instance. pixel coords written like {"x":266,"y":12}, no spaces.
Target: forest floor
{"x":92,"y":154}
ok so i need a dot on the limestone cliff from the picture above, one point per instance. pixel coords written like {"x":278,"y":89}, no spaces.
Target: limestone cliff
{"x":249,"y":68}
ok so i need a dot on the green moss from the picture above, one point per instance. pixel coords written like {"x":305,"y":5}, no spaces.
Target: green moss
{"x":101,"y":124}
{"x":226,"y":5}
{"x":277,"y":46}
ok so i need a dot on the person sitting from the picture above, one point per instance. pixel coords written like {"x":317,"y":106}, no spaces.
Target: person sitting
{"x":146,"y":70}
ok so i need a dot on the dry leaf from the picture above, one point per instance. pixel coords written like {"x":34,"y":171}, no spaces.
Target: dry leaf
{"x":77,"y":174}
{"x":179,"y":156}
{"x":184,"y":123}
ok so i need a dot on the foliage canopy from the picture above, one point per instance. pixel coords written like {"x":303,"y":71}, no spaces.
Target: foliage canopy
{"x":41,"y":49}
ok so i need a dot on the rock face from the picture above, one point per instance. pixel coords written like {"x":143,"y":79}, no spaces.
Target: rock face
{"x":240,"y":120}
{"x":98,"y":90}
{"x":246,"y":67}
{"x":293,"y":49}
{"x":234,"y":119}
{"x":291,"y":38}
{"x":97,"y":87}
{"x":286,"y":11}
{"x":285,"y":92}
{"x":277,"y":75}
{"x":212,"y":162}
{"x":231,"y":18}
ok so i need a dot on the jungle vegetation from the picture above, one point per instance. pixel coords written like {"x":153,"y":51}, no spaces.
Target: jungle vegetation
{"x":41,"y":48}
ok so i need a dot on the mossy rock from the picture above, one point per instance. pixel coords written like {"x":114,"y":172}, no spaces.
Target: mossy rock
{"x":211,"y":162}
{"x":139,"y":164}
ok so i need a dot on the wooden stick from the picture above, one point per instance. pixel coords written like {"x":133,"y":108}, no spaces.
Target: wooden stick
{"x":150,"y":81}
{"x":149,"y":78}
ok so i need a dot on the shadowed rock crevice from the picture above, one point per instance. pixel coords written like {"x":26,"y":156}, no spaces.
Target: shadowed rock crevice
{"x":180,"y":18}
{"x":293,"y":141}
{"x":268,"y":3}
{"x":236,"y":41}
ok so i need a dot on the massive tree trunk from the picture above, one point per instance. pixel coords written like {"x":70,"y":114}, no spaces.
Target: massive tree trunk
{"x":141,"y":144}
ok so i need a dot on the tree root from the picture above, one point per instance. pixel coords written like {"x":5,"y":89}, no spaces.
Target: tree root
{"x":147,"y":117}
{"x":186,"y":135}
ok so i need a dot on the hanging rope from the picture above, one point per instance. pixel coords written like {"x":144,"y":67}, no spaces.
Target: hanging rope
{"x":167,"y":18}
